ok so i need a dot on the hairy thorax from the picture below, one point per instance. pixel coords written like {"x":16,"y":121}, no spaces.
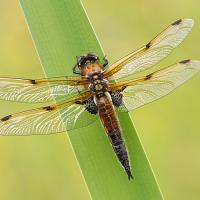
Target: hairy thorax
{"x":98,"y":85}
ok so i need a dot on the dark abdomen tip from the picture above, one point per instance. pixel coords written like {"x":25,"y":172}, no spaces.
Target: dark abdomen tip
{"x":130,"y":176}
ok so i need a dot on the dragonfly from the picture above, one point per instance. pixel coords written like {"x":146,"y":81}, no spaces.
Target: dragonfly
{"x":97,"y":91}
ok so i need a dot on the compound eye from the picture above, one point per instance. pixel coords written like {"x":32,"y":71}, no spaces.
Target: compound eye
{"x":93,"y":58}
{"x":93,"y":54}
{"x":82,"y":61}
{"x":79,"y":59}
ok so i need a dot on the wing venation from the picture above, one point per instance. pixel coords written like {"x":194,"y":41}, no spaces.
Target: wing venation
{"x":49,"y":119}
{"x":139,"y":92}
{"x":41,"y":90}
{"x":152,"y":53}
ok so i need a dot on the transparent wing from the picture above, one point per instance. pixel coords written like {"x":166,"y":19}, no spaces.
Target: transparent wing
{"x":49,"y":119}
{"x":139,"y":92}
{"x":152,"y":53}
{"x":41,"y":90}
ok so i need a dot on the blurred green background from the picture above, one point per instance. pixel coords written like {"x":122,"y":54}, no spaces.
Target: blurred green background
{"x":44,"y":167}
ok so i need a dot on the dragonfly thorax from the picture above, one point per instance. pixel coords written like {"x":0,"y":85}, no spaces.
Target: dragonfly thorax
{"x":98,"y":85}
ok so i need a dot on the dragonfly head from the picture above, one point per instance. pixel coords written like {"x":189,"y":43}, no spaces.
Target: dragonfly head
{"x":87,"y":64}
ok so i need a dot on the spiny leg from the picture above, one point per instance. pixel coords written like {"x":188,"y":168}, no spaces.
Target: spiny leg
{"x":105,"y":61}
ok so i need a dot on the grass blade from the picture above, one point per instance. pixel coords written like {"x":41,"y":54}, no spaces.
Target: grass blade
{"x":61,"y":30}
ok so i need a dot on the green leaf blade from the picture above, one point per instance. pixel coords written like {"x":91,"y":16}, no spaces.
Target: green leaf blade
{"x":61,"y":31}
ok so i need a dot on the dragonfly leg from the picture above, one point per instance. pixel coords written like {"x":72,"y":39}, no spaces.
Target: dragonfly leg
{"x":90,"y":106}
{"x":105,"y":61}
{"x":116,"y":97}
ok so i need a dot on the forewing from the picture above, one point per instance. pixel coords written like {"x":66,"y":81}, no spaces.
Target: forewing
{"x":156,"y":85}
{"x":41,"y":90}
{"x":152,"y":53}
{"x":48,"y":120}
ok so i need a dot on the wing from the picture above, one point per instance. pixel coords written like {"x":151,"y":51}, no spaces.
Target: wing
{"x":49,"y":119}
{"x":41,"y":90}
{"x":152,"y":53}
{"x":139,"y":92}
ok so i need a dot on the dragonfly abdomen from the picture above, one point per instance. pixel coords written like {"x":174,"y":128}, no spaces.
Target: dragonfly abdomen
{"x":110,"y":122}
{"x":120,"y":150}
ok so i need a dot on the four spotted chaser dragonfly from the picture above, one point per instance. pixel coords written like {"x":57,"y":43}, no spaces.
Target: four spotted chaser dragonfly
{"x":99,"y":91}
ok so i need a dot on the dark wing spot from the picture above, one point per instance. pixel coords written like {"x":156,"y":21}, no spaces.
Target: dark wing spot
{"x":32,"y":81}
{"x":48,"y":108}
{"x":6,"y":118}
{"x":177,"y":22}
{"x":148,"y":76}
{"x":184,"y":61}
{"x":148,"y":45}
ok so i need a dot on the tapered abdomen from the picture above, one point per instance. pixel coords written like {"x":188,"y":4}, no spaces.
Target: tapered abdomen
{"x":111,"y":124}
